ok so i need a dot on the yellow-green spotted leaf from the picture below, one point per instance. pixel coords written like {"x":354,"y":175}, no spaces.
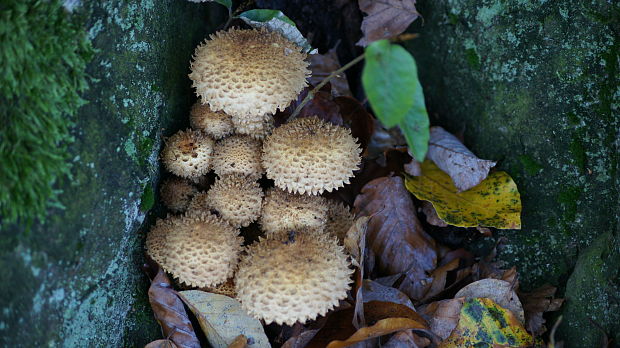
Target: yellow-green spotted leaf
{"x":495,"y":202}
{"x":483,"y":323}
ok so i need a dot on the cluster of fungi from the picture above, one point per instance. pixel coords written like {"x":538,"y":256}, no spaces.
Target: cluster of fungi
{"x":298,"y":268}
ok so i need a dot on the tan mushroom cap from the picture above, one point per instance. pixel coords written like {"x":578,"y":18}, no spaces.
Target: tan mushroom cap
{"x":188,"y":153}
{"x":248,"y":72}
{"x":339,"y":219}
{"x":198,"y":250}
{"x":198,"y":204}
{"x":176,"y":193}
{"x":227,"y":288}
{"x":288,"y":277}
{"x":309,"y":155}
{"x":238,"y":154}
{"x":237,"y":199}
{"x":285,"y":211}
{"x":216,"y":124}
{"x":257,"y":128}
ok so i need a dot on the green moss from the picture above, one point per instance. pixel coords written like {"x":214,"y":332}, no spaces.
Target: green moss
{"x":568,"y":198}
{"x":530,"y":166}
{"x":44,"y":54}
{"x":147,"y":200}
{"x":578,"y":152}
{"x":472,"y":58}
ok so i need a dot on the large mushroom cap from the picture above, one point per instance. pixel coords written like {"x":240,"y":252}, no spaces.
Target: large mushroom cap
{"x":284,"y":211}
{"x":198,"y":250}
{"x":289,"y":277}
{"x":188,"y":153}
{"x":217,"y":124}
{"x":309,"y":155}
{"x":237,"y":199}
{"x":339,"y":219}
{"x":238,"y":154}
{"x":248,"y":72}
{"x":176,"y":193}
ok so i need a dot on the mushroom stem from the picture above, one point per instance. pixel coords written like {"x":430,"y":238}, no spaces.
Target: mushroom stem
{"x":323,"y":83}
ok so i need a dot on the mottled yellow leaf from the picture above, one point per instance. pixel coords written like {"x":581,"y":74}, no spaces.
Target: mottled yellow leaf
{"x":495,"y":202}
{"x":483,"y":323}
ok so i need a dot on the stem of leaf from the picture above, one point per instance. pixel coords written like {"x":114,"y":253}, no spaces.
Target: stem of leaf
{"x":230,"y":17}
{"x":323,"y":83}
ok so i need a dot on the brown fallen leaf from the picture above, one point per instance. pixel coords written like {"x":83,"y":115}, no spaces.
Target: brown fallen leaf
{"x":386,"y":18}
{"x":395,"y":235}
{"x":239,"y":342}
{"x":431,"y":215}
{"x":301,"y":340}
{"x":381,"y":328}
{"x":170,"y":313}
{"x":500,"y":291}
{"x":406,"y":339}
{"x":536,"y":303}
{"x":161,"y":344}
{"x":373,"y":291}
{"x":357,"y":118}
{"x":322,"y":65}
{"x":443,"y":316}
{"x":450,"y":155}
{"x":439,"y":276}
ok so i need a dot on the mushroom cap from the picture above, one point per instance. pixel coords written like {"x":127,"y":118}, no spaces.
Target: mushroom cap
{"x":339,"y":219}
{"x":198,"y":204}
{"x":290,"y":277}
{"x":238,"y":154}
{"x":198,"y":250}
{"x":188,"y":153}
{"x":257,"y":128}
{"x":216,"y":124}
{"x":227,"y":288}
{"x":237,"y":199}
{"x":248,"y":72}
{"x":176,"y":193}
{"x":309,"y":155}
{"x":286,"y":211}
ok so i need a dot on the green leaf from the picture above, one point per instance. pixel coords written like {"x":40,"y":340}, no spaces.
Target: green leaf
{"x":415,"y":125}
{"x":275,"y":20}
{"x":389,"y":79}
{"x":227,"y":3}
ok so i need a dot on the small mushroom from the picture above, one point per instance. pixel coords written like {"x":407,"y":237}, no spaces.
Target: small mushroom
{"x":188,"y":153}
{"x":216,"y":124}
{"x":284,"y":211}
{"x":237,"y":199}
{"x":238,"y":154}
{"x":291,"y":277}
{"x":339,"y":219}
{"x":309,"y":155}
{"x":257,"y":128}
{"x":198,"y":250}
{"x":176,"y":193}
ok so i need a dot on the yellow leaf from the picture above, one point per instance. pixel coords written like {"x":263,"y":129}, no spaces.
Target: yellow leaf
{"x":495,"y":202}
{"x":483,"y":323}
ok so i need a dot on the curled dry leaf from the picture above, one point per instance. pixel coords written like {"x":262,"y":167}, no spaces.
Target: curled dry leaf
{"x":536,"y":303}
{"x":386,"y":18}
{"x":395,"y":235}
{"x":500,"y":291}
{"x":373,"y":291}
{"x":406,"y":339}
{"x":222,"y":319}
{"x":381,"y":328}
{"x":170,"y":313}
{"x":439,"y":276}
{"x":239,"y":342}
{"x":495,"y":202}
{"x":354,"y":241}
{"x":443,"y":316}
{"x":451,"y":156}
{"x":483,"y":323}
{"x":161,"y":344}
{"x":322,"y":65}
{"x":431,"y":215}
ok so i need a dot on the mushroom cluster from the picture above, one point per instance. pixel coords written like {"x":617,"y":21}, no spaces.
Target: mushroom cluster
{"x":261,"y":174}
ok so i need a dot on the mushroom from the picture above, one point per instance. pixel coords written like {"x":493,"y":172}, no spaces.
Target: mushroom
{"x":188,"y":153}
{"x":339,"y":219}
{"x":257,"y":128}
{"x":199,"y":250}
{"x":237,"y":199}
{"x":216,"y":124}
{"x":176,"y":193}
{"x":238,"y":154}
{"x":284,"y":211}
{"x":291,"y":277}
{"x":198,"y":204}
{"x":248,"y":72}
{"x":309,"y":155}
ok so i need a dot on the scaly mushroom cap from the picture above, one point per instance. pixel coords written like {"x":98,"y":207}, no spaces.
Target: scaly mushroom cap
{"x":289,"y":277}
{"x":308,"y":155}
{"x":285,"y":211}
{"x":257,"y":128}
{"x":188,"y":153}
{"x":198,"y":204}
{"x":198,"y":250}
{"x":227,"y":288}
{"x":237,"y":199}
{"x":248,"y":72}
{"x":176,"y":193}
{"x":339,"y":220}
{"x":238,"y":154}
{"x":216,"y":124}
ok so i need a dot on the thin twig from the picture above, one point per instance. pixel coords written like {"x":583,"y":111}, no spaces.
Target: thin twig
{"x":323,"y":83}
{"x":230,"y":18}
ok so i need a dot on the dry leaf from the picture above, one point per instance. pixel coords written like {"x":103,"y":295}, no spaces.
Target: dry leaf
{"x":431,"y":215}
{"x":357,"y":118}
{"x":170,"y":313}
{"x":301,"y":340}
{"x":495,"y":202}
{"x":386,"y":18}
{"x":395,"y":235}
{"x":500,"y":291}
{"x":355,"y":238}
{"x":483,"y":323}
{"x":381,"y":328}
{"x":373,"y":291}
{"x":439,"y":276}
{"x":322,"y":65}
{"x":451,"y":156}
{"x":161,"y":344}
{"x":239,"y":342}
{"x":443,"y":316}
{"x":406,"y":339}
{"x":536,"y":303}
{"x":222,"y":319}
